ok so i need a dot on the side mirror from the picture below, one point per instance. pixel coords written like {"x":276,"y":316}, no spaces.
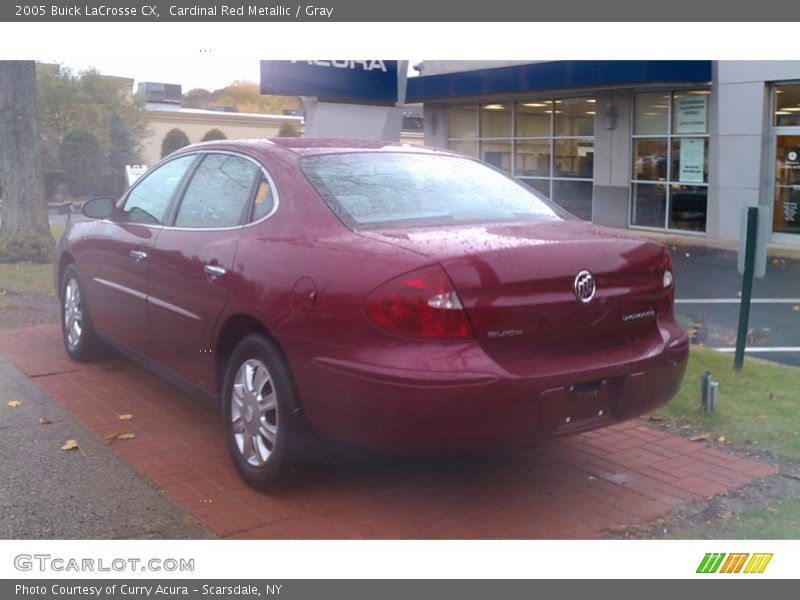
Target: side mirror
{"x":99,"y":208}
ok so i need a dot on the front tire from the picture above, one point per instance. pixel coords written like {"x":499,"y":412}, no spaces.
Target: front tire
{"x":260,"y":412}
{"x":77,"y":331}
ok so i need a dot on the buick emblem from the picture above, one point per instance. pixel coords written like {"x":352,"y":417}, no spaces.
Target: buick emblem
{"x":584,"y":286}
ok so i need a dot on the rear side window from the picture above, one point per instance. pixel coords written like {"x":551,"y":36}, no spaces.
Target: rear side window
{"x":149,"y":200}
{"x":264,"y":200}
{"x":218,"y":193}
{"x":383,"y":189}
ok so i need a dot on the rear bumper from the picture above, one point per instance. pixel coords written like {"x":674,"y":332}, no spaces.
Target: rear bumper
{"x":379,"y":405}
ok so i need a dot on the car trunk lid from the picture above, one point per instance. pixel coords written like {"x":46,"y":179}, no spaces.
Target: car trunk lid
{"x":517,"y":283}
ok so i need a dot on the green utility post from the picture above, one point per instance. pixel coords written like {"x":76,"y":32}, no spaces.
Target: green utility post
{"x":747,"y":287}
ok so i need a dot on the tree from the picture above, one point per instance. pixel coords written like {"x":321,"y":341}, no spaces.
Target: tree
{"x":24,"y":208}
{"x":174,"y":140}
{"x":287,"y":130}
{"x":97,"y":103}
{"x":121,"y":152}
{"x":82,"y":158}
{"x":243,"y":96}
{"x":214,"y":134}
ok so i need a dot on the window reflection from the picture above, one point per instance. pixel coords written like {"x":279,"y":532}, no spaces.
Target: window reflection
{"x":497,"y":154}
{"x":534,"y":118}
{"x":651,"y":113}
{"x":787,"y":105}
{"x":574,"y":117}
{"x":574,"y":158}
{"x":547,"y":142}
{"x":495,"y":121}
{"x":463,"y":147}
{"x":540,"y":185}
{"x":462,"y":122}
{"x":650,"y":159}
{"x":688,"y":207}
{"x":533,"y":158}
{"x":575,"y":197}
{"x":648,"y":208}
{"x":670,"y":146}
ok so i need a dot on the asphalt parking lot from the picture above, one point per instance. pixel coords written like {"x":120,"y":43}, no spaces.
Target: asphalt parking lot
{"x":173,"y":478}
{"x":708,"y":288}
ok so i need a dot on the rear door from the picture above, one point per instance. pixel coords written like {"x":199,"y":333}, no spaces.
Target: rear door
{"x":116,"y":267}
{"x":192,"y":262}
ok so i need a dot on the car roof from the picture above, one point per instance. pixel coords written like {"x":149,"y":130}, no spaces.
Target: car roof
{"x":311,"y":146}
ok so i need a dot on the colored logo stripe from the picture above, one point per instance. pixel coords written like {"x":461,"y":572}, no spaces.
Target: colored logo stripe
{"x":713,"y":562}
{"x":734,"y":563}
{"x":710,"y":563}
{"x":758,"y":563}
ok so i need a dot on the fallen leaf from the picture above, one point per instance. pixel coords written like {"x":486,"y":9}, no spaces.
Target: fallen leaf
{"x":70,"y":445}
{"x":119,"y":436}
{"x":14,"y":403}
{"x":44,"y":421}
{"x":773,"y":510}
{"x":699,"y":438}
{"x":124,"y":417}
{"x":722,"y":439}
{"x":725,"y":516}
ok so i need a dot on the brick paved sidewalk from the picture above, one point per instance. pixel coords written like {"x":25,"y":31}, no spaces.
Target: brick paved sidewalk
{"x":573,"y":488}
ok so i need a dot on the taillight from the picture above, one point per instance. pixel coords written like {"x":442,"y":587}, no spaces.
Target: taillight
{"x":421,"y":304}
{"x":668,"y":290}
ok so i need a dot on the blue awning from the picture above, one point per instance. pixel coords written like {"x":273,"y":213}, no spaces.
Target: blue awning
{"x":556,"y":75}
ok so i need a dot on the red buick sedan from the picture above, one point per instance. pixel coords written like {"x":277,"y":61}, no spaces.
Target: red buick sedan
{"x":401,"y":299}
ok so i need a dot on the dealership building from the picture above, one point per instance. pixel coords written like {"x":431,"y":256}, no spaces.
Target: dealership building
{"x":663,"y":146}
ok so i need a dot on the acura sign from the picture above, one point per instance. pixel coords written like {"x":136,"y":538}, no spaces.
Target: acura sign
{"x":349,"y":81}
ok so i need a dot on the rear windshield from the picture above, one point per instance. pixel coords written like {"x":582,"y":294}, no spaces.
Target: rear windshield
{"x":382,"y":189}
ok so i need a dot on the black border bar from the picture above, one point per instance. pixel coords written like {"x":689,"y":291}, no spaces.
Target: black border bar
{"x":730,"y":588}
{"x":411,"y":11}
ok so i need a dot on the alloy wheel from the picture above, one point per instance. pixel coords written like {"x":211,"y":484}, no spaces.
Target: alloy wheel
{"x":73,"y":315}
{"x":254,"y":412}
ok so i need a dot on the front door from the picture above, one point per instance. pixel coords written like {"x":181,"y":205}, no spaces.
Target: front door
{"x":786,"y":209}
{"x":117,"y":268}
{"x":785,"y":163}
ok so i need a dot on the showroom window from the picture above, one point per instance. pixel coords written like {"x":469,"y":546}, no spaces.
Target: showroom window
{"x":546,"y":143}
{"x":786,"y":157}
{"x":669,"y":175}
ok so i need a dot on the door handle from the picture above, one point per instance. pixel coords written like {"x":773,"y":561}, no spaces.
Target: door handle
{"x":214,"y":270}
{"x":138,"y":255}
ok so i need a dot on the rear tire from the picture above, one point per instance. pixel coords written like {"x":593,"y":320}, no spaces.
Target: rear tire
{"x":77,"y":331}
{"x":261,"y":413}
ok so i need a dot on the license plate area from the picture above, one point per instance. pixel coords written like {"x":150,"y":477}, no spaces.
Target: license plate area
{"x":579,"y":406}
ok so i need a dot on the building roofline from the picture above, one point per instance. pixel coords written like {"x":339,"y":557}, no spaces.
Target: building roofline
{"x":555,"y":75}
